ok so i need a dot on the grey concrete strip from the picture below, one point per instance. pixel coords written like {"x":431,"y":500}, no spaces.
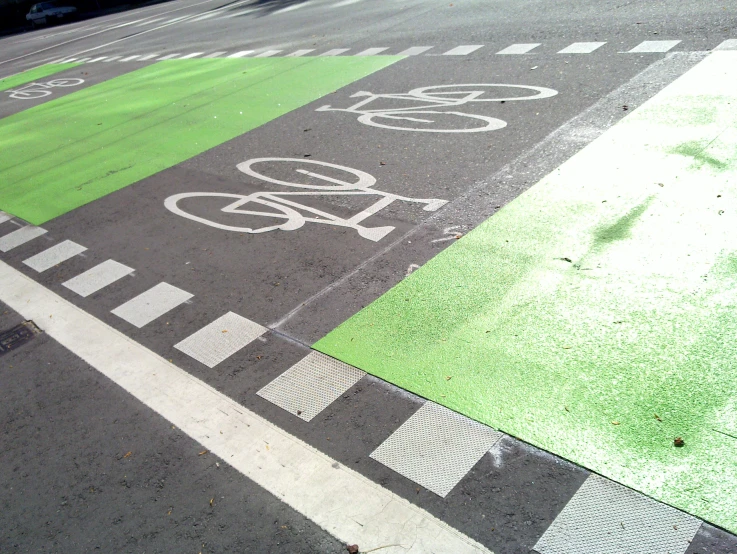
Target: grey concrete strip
{"x":20,"y":236}
{"x":98,"y":277}
{"x":152,"y":304}
{"x":607,"y":518}
{"x":220,"y":339}
{"x":55,"y":255}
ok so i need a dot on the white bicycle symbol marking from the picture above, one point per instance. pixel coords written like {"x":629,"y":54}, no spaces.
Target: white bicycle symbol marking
{"x":281,"y":205}
{"x":39,"y":90}
{"x":426,"y":100}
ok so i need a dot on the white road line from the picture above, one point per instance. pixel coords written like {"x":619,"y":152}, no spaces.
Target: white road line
{"x":581,"y":47}
{"x":372,"y":51}
{"x":298,"y":53}
{"x":150,"y":21}
{"x":216,"y":54}
{"x":131,"y":58}
{"x":112,"y":59}
{"x":190,"y":56}
{"x":519,"y":48}
{"x":291,"y":8}
{"x":463,"y":50}
{"x":338,"y":499}
{"x":5,"y":217}
{"x":729,"y":44}
{"x":83,"y":60}
{"x":93,"y":60}
{"x":202,"y":17}
{"x":220,"y":339}
{"x":55,"y":255}
{"x":335,"y":52}
{"x":267,"y":54}
{"x":147,"y":57}
{"x":414,"y":51}
{"x":345,"y":3}
{"x":19,"y":237}
{"x":152,"y":304}
{"x":241,"y":54}
{"x":168,"y":57}
{"x":97,"y":277}
{"x":239,"y":14}
{"x":69,"y":60}
{"x":655,"y":46}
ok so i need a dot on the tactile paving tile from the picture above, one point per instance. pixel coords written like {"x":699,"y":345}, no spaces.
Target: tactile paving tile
{"x":604,"y":517}
{"x":220,"y":339}
{"x":436,"y":447}
{"x":311,"y":385}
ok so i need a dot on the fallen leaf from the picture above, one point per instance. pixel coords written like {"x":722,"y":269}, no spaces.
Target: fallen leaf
{"x":203,"y":452}
{"x":566,"y":408}
{"x":678,"y":441}
{"x":211,"y":501}
{"x":128,"y":455}
{"x":615,"y":423}
{"x":448,"y":377}
{"x":656,"y":417}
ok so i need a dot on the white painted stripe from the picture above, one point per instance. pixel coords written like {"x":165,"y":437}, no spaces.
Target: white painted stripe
{"x":291,"y":8}
{"x":216,"y":54}
{"x":338,"y":499}
{"x":241,"y":54}
{"x":582,"y":47}
{"x":20,"y":236}
{"x":112,"y":59}
{"x":463,"y":50}
{"x":240,"y":13}
{"x":97,"y":277}
{"x":521,"y":48}
{"x":267,"y":54}
{"x":335,"y":52}
{"x":414,"y":51}
{"x":147,"y":57}
{"x":345,"y":3}
{"x":203,"y":17}
{"x":152,"y":304}
{"x":149,"y":22}
{"x":655,"y":46}
{"x":298,"y":53}
{"x":55,"y":255}
{"x":169,"y":57}
{"x":69,"y":60}
{"x":729,"y":44}
{"x":97,"y":59}
{"x":220,"y":339}
{"x":83,"y":60}
{"x":131,"y":58}
{"x":190,"y":56}
{"x":5,"y":217}
{"x":372,"y":51}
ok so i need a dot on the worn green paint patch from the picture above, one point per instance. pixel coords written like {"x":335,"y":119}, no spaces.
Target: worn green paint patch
{"x":65,"y":153}
{"x":697,"y":151}
{"x":33,"y":74}
{"x":595,"y":315}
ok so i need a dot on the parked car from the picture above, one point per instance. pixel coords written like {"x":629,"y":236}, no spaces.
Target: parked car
{"x":47,"y":12}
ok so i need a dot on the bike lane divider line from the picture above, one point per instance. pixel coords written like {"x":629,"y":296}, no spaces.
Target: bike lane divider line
{"x":54,"y":255}
{"x":414,"y":51}
{"x":588,"y":316}
{"x":463,"y":50}
{"x":20,"y":236}
{"x":519,"y":48}
{"x":152,"y":304}
{"x":343,"y":502}
{"x":581,"y":48}
{"x":31,"y":75}
{"x":49,"y":167}
{"x":654,"y":46}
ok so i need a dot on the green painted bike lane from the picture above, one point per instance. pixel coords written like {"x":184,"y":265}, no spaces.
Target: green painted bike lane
{"x":68,"y":152}
{"x":595,"y":316}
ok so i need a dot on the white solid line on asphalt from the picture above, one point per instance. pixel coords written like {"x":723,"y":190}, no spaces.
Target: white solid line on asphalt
{"x":97,"y":277}
{"x":168,"y":57}
{"x":202,"y":17}
{"x":519,"y":48}
{"x":291,"y":8}
{"x":150,"y":21}
{"x":131,"y":58}
{"x":239,"y":13}
{"x":152,"y":304}
{"x":335,"y":52}
{"x":216,"y":54}
{"x":147,"y":57}
{"x":55,"y":255}
{"x":345,"y":3}
{"x":93,"y":60}
{"x":69,"y":60}
{"x":372,"y":51}
{"x":298,"y":53}
{"x":729,"y":44}
{"x":655,"y":46}
{"x":112,"y":59}
{"x":19,"y":237}
{"x":414,"y":51}
{"x":267,"y":54}
{"x":344,"y":503}
{"x":581,"y":47}
{"x":241,"y":54}
{"x":83,"y":60}
{"x":463,"y":50}
{"x":220,"y":339}
{"x":190,"y":56}
{"x":5,"y":217}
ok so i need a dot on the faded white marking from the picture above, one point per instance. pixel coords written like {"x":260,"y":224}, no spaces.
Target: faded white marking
{"x":152,"y":304}
{"x":55,"y":255}
{"x":19,"y":237}
{"x":463,"y":50}
{"x":582,"y":47}
{"x":97,"y":277}
{"x":414,"y":51}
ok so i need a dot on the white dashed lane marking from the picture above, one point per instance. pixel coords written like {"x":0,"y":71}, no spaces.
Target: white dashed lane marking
{"x":20,"y":236}
{"x":152,"y":304}
{"x":582,"y":48}
{"x":55,"y":255}
{"x":98,"y":277}
{"x":519,"y":48}
{"x":655,"y":46}
{"x":463,"y":50}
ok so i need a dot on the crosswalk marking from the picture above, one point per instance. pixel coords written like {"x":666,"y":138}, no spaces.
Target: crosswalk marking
{"x":581,"y":48}
{"x":190,"y":56}
{"x":147,"y":57}
{"x":55,"y":255}
{"x":152,"y":304}
{"x":414,"y":51}
{"x":98,"y":277}
{"x":241,"y":54}
{"x":655,"y":46}
{"x":729,"y":44}
{"x":372,"y":51}
{"x":335,"y":52}
{"x":83,"y":60}
{"x":267,"y":54}
{"x":5,"y":217}
{"x":463,"y":50}
{"x":298,"y":53}
{"x":93,"y":60}
{"x":19,"y":237}
{"x":522,"y":48}
{"x":112,"y":59}
{"x":168,"y":57}
{"x":130,"y":58}
{"x":215,"y":54}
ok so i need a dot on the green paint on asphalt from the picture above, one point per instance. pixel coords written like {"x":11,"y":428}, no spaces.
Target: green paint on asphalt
{"x":696,"y":150}
{"x":594,"y":316}
{"x":33,"y":74}
{"x":65,"y":153}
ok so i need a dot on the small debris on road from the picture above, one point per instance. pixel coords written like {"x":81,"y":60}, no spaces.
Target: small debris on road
{"x":203,"y":452}
{"x":658,"y":418}
{"x":678,"y":441}
{"x":128,"y":455}
{"x":352,"y":548}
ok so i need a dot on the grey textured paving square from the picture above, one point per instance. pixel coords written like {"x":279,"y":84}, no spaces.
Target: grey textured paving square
{"x":311,"y":385}
{"x":607,"y":518}
{"x":519,"y":48}
{"x":582,"y":47}
{"x":220,"y":339}
{"x":20,"y":236}
{"x":98,"y":277}
{"x":655,"y":46}
{"x":436,"y":447}
{"x":152,"y":304}
{"x":55,"y":255}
